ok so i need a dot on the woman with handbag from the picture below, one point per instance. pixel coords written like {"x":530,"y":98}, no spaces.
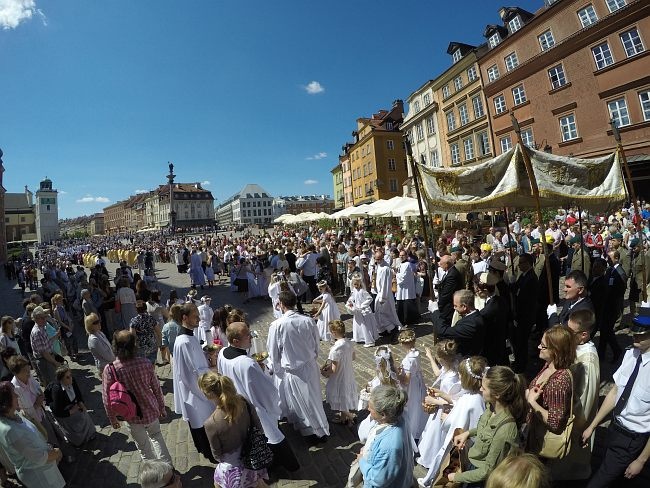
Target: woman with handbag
{"x":228,"y":429}
{"x":498,"y":428}
{"x":550,"y":396}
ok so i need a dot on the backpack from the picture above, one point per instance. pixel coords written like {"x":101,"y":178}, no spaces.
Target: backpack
{"x":121,"y":401}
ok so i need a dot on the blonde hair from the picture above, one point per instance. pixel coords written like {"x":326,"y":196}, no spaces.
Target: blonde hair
{"x":385,"y":366}
{"x":446,"y":351}
{"x":471,"y":372}
{"x":521,"y":471}
{"x":221,"y":390}
{"x":337,"y":327}
{"x":406,"y":337}
{"x":89,"y":322}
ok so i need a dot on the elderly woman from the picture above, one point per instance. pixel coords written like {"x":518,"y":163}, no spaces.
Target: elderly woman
{"x":65,"y":400}
{"x":26,"y":448}
{"x":387,"y":457}
{"x":156,"y":473}
{"x":98,"y":343}
{"x":7,"y":338}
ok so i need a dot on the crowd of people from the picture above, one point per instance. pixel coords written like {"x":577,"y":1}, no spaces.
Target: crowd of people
{"x":517,"y":418}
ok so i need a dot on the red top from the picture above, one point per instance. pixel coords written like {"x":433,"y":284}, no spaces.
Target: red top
{"x":555,"y":398}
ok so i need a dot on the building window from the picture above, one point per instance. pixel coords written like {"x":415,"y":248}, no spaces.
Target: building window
{"x":614,"y":5}
{"x":515,"y":24}
{"x":464,"y":114}
{"x":556,"y":75}
{"x":632,"y":42}
{"x":506,"y":144}
{"x":511,"y":61}
{"x":500,"y":104}
{"x":392,"y":185}
{"x":458,"y":83}
{"x":391,"y":165}
{"x":455,"y":154}
{"x":527,"y":137}
{"x":587,"y":16}
{"x":494,"y":40}
{"x":471,"y":74}
{"x":419,"y":132}
{"x":389,"y":125}
{"x":433,"y":157}
{"x":568,"y":127}
{"x":431,"y":129}
{"x":390,"y":145}
{"x":451,"y":121}
{"x":483,"y":143}
{"x":602,"y":55}
{"x":493,"y":73}
{"x":546,"y":40}
{"x":416,"y":106}
{"x":427,"y":99}
{"x":456,"y":55}
{"x":468,"y":145}
{"x":477,"y":103}
{"x":644,"y":98}
{"x":445,"y":91}
{"x":618,"y":112}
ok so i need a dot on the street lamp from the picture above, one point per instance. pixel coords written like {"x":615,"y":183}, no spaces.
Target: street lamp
{"x":172,"y":213}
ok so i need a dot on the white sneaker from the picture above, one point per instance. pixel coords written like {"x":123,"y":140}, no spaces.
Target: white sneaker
{"x":372,"y":344}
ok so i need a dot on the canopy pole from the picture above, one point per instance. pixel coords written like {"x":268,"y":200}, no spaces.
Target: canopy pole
{"x":535,"y":191}
{"x":582,"y":261}
{"x":636,"y":220}
{"x":416,"y":183}
{"x":512,"y":261}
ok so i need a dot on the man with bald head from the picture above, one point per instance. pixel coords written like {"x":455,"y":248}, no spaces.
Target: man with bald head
{"x":450,"y":282}
{"x":257,"y":387}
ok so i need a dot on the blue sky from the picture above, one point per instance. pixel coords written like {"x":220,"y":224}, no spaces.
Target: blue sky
{"x":99,"y":95}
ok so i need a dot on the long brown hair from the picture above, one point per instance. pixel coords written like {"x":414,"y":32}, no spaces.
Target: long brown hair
{"x":222,"y":391}
{"x":510,"y":389}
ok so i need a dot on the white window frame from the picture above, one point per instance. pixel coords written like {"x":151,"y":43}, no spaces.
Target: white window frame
{"x":618,"y":112}
{"x":505,"y":143}
{"x":614,"y":5}
{"x":557,"y":77}
{"x":471,"y":74}
{"x":468,"y":148}
{"x":416,"y":106}
{"x":426,"y":99}
{"x":519,"y":95}
{"x":463,"y":114}
{"x":392,"y":185}
{"x":644,"y":100}
{"x":494,"y":40}
{"x":419,"y":132}
{"x":500,"y":105}
{"x":493,"y":73}
{"x":434,"y":160}
{"x":546,"y":40}
{"x":458,"y":83}
{"x":511,"y":61}
{"x":392,"y":165}
{"x":568,"y":127}
{"x":633,"y":45}
{"x":455,"y":153}
{"x":431,"y":127}
{"x":451,"y":121}
{"x":603,"y":56}
{"x":477,"y":104}
{"x":390,"y":144}
{"x":587,"y":15}
{"x":527,"y":137}
{"x":445,"y":91}
{"x":456,"y":56}
{"x":514,"y":24}
{"x":483,"y":142}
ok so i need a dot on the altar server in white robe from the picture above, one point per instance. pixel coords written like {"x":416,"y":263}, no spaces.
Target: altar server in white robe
{"x":293,"y":344}
{"x":190,"y":363}
{"x":385,"y":312}
{"x":197,"y":276}
{"x":463,"y":413}
{"x":257,"y":387}
{"x":204,"y":331}
{"x":364,"y":323}
{"x":407,"y":309}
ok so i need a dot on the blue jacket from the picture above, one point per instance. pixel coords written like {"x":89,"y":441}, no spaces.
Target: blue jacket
{"x":389,"y":463}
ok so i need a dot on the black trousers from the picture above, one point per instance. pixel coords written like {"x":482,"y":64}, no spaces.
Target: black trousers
{"x":622,"y":449}
{"x":311,"y":282}
{"x":519,"y":341}
{"x":283,"y":456}
{"x":202,"y":444}
{"x":607,"y":335}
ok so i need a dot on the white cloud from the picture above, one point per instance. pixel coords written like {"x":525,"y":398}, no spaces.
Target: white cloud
{"x":205,"y":183}
{"x":137,"y":192}
{"x":311,"y":182}
{"x":63,"y":192}
{"x":91,"y":199}
{"x":320,"y":155}
{"x":314,"y":88}
{"x":14,"y":12}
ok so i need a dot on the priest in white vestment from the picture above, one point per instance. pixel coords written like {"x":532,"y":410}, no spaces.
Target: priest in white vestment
{"x":190,"y":363}
{"x":293,"y":344}
{"x":385,"y":312}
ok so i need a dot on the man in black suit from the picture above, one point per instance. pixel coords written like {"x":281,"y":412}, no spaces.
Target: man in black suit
{"x":616,"y":281}
{"x":576,"y":297}
{"x":495,"y":318}
{"x":598,"y":292}
{"x":525,"y":291}
{"x":450,"y":283}
{"x":469,"y":331}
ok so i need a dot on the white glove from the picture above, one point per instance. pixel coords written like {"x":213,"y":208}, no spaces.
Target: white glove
{"x":645,"y":304}
{"x":550,"y":310}
{"x":433,"y":306}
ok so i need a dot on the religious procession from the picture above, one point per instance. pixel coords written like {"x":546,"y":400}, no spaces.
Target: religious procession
{"x":444,"y":357}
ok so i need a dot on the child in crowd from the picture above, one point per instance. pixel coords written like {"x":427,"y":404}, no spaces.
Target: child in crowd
{"x":341,"y":389}
{"x":412,"y":380}
{"x":327,"y":310}
{"x":364,"y":323}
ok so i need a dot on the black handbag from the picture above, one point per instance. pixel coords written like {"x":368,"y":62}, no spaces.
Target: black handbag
{"x":255,"y":453}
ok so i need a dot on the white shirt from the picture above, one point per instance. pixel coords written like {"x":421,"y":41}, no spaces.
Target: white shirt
{"x":636,"y":414}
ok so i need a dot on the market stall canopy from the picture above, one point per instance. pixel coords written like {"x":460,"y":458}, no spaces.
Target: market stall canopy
{"x":407,"y":208}
{"x":282,"y":218}
{"x":382,"y":208}
{"x":360,"y":211}
{"x":595,"y":184}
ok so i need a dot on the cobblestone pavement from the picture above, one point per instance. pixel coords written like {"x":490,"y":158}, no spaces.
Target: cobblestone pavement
{"x":112,"y":460}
